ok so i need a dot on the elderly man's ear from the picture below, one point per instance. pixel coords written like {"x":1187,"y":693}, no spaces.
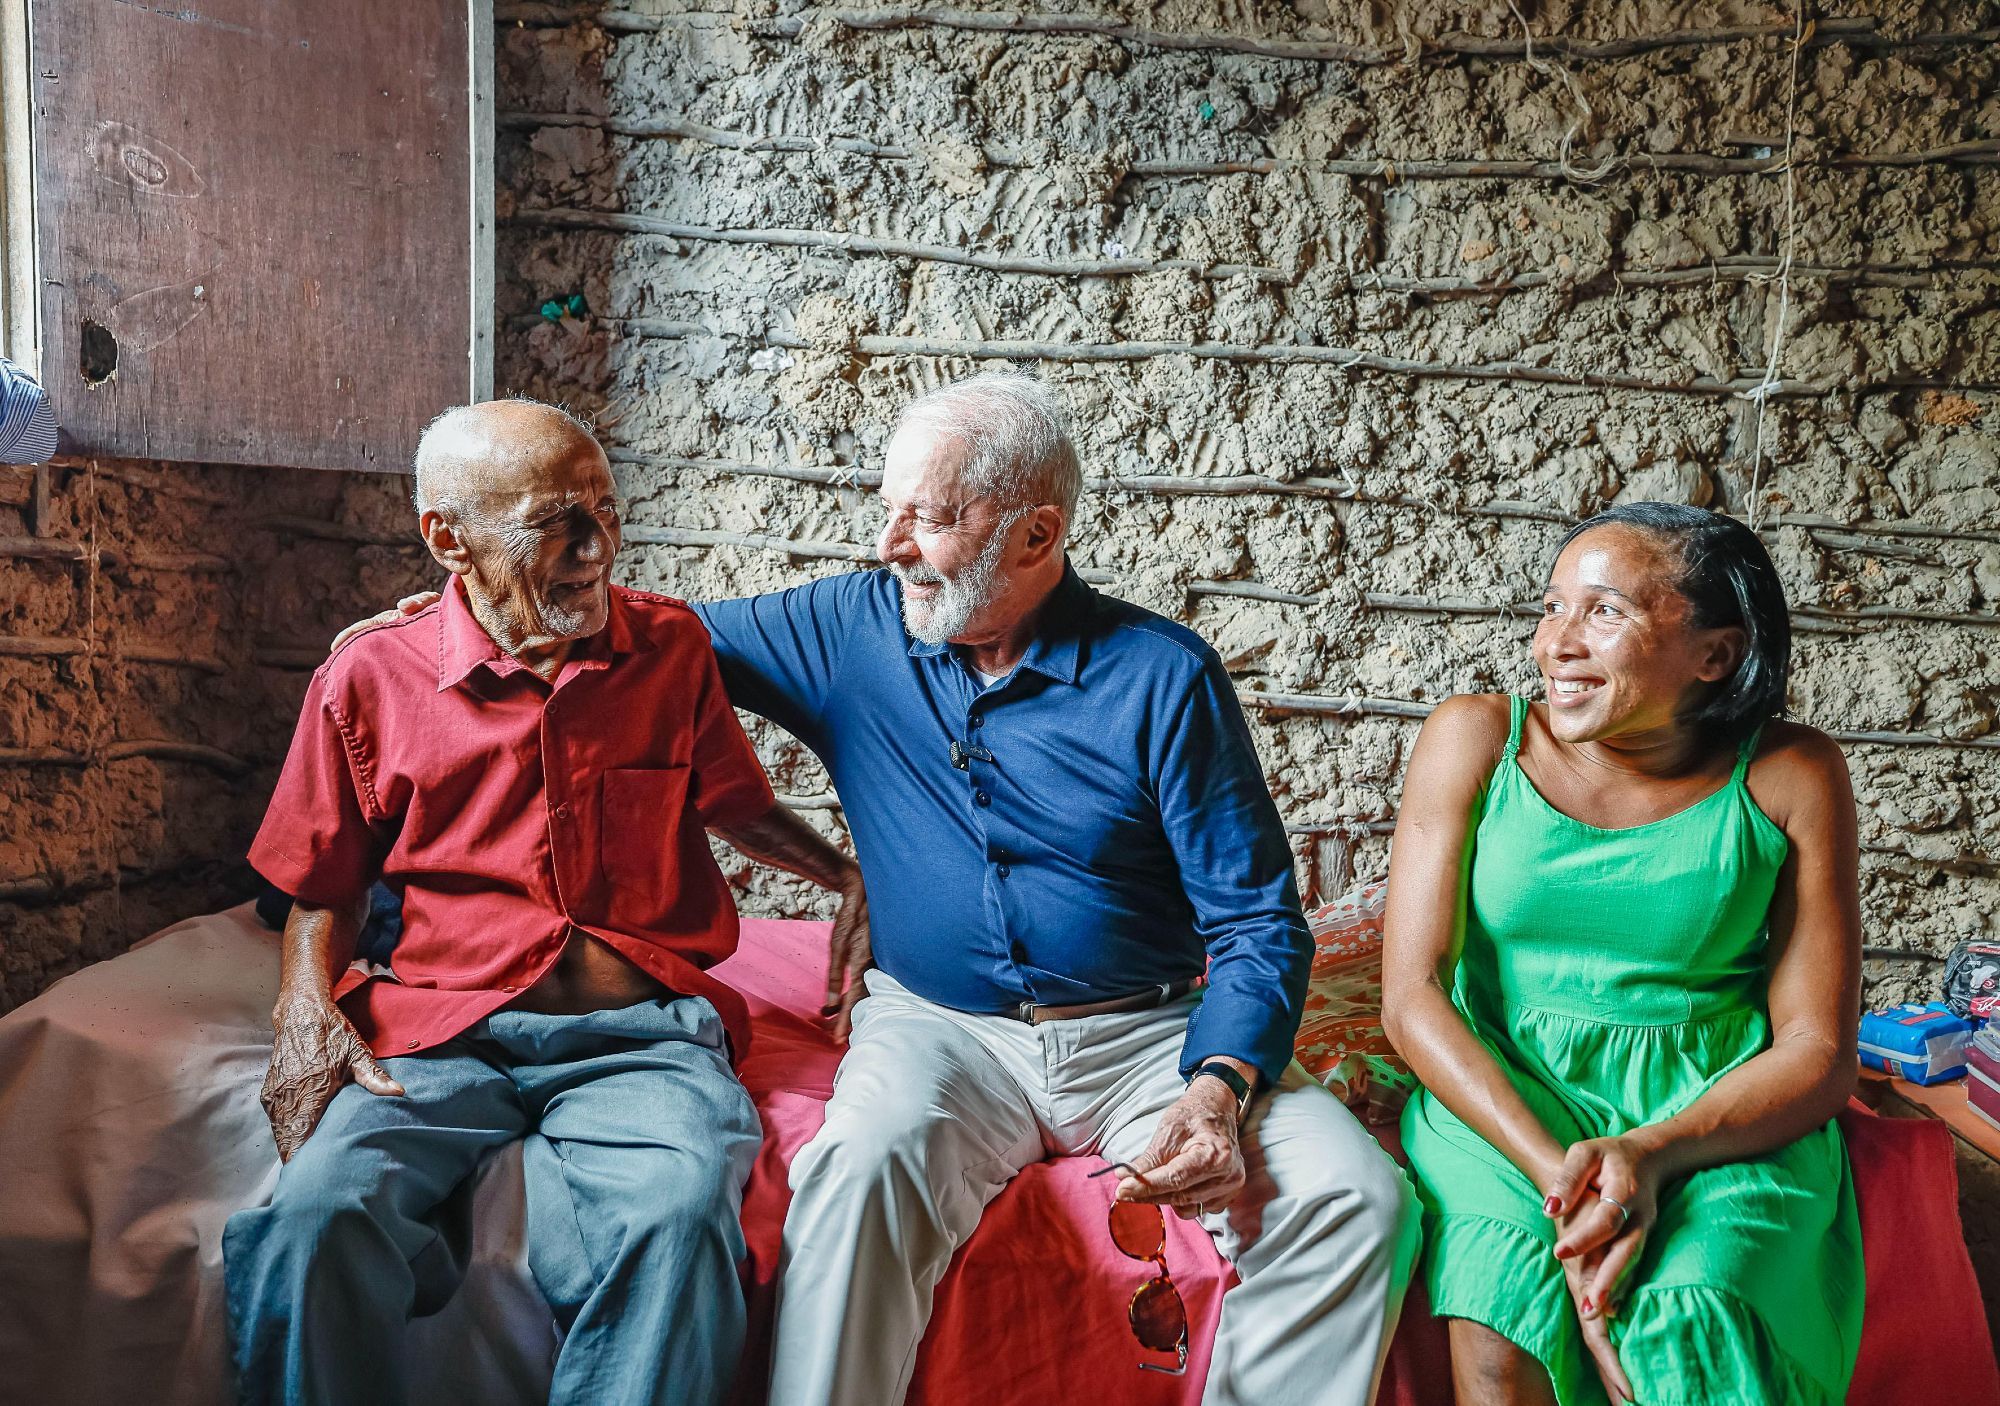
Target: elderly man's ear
{"x":1045,"y":534}
{"x":446,"y":545}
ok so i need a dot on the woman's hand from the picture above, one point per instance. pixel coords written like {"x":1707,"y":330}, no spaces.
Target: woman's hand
{"x":1604,"y":1200}
{"x":1578,"y":1271}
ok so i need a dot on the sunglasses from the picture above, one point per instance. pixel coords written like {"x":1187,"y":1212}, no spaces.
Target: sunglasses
{"x":1158,"y":1317}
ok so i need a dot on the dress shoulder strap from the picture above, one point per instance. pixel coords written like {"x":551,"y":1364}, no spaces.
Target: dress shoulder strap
{"x":1519,"y":707}
{"x":1746,"y":753}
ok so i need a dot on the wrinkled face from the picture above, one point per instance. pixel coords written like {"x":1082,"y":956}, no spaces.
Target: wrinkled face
{"x":1618,"y":652}
{"x":543,"y":539}
{"x":950,"y":552}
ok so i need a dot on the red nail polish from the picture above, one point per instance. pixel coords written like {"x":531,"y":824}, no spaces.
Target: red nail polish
{"x":1587,"y":1309}
{"x":1563,"y":1252}
{"x":1552,"y":1206}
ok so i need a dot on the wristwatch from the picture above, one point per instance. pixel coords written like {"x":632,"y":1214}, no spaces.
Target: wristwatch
{"x":1238,"y":1085}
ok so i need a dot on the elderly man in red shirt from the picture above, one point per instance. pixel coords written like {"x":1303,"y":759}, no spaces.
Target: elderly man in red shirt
{"x":534,"y":762}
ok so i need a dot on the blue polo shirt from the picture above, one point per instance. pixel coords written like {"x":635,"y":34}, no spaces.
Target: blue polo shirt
{"x":1110,"y":829}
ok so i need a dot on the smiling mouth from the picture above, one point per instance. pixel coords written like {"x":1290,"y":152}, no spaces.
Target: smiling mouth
{"x":1574,"y":688}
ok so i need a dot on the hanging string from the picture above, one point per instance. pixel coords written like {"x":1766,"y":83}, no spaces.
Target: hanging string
{"x":1787,"y":243}
{"x":98,"y":714}
{"x":1585,"y":112}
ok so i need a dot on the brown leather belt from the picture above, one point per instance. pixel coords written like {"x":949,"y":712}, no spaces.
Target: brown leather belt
{"x":1146,"y":1000}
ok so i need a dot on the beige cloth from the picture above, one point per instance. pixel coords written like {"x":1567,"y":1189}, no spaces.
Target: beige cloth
{"x":130,"y":1131}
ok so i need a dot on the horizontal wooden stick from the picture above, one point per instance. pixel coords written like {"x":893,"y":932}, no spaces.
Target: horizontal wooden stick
{"x":1530,"y":611}
{"x":1383,"y":168}
{"x":40,"y":647}
{"x":174,"y":485}
{"x":162,"y":750}
{"x":624,"y":222}
{"x":1858,"y":30}
{"x":1320,"y":704}
{"x":1294,"y":354}
{"x":1345,"y":358}
{"x":153,"y":749}
{"x":1244,"y":484}
{"x":1344,"y":827}
{"x":688,"y":537}
{"x":109,"y":651}
{"x":683,"y":129}
{"x":110,"y":558}
{"x":1354,"y":706}
{"x":41,"y":549}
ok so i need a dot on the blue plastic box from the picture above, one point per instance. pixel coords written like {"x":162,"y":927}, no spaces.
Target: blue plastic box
{"x":1924,"y":1044}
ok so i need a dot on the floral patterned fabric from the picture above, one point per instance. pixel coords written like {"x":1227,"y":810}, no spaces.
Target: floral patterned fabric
{"x":1340,"y":1040}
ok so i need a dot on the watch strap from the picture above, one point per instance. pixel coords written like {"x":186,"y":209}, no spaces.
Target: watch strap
{"x":1238,"y":1085}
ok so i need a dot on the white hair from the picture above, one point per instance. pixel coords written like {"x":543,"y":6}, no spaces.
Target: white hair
{"x":1015,"y":434}
{"x":442,"y":447}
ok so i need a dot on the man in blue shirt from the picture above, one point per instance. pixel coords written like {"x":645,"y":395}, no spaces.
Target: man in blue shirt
{"x":1061,"y":822}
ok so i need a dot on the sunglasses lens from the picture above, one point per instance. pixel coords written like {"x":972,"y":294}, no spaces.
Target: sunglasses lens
{"x":1159,"y":1321}
{"x":1137,"y":1229}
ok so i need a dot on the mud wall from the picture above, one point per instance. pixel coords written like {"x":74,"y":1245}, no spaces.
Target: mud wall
{"x":1356,"y":307}
{"x":158,"y":623}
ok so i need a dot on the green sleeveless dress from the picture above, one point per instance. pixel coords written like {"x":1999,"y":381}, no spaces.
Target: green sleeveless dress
{"x":1616,"y":975}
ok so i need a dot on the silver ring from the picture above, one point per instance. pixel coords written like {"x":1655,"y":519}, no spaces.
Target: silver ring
{"x":1623,"y":1215}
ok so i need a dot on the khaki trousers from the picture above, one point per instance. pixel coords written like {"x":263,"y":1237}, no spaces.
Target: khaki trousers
{"x":934,"y":1111}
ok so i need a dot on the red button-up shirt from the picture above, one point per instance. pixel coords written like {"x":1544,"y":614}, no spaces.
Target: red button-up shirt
{"x":508,"y":811}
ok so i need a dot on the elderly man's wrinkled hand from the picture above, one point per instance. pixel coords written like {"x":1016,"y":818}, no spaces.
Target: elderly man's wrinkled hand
{"x":848,"y":956}
{"x":408,"y":605}
{"x":316,"y":1051}
{"x":1195,"y":1162}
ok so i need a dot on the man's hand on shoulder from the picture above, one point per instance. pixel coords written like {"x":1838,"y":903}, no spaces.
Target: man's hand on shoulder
{"x":1195,"y":1161}
{"x":316,"y":1051}
{"x":408,"y":605}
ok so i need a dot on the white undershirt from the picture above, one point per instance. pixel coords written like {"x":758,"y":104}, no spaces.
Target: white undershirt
{"x":987,"y":680}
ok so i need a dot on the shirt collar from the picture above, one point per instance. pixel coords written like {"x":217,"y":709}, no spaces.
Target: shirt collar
{"x":464,"y":645}
{"x":1058,"y":634}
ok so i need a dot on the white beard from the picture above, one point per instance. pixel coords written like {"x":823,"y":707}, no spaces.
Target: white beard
{"x":960,"y":597}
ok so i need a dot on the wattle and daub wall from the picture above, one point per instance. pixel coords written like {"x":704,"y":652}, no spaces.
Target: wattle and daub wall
{"x":1355,"y":307}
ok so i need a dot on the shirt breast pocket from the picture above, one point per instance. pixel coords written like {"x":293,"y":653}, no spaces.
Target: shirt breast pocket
{"x":641,"y":834}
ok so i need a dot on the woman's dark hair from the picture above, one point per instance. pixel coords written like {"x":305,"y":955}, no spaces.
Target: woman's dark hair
{"x":1728,"y":579}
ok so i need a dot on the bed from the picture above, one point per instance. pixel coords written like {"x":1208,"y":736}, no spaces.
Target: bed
{"x":130,"y":1130}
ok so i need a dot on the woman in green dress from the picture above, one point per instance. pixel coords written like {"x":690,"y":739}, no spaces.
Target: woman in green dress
{"x":1623,"y":955}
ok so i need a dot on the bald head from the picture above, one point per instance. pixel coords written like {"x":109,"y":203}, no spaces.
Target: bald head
{"x":472,"y":455}
{"x":516,"y":498}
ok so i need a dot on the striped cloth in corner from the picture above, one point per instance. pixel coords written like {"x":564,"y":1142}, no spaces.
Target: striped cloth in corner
{"x":27,"y":423}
